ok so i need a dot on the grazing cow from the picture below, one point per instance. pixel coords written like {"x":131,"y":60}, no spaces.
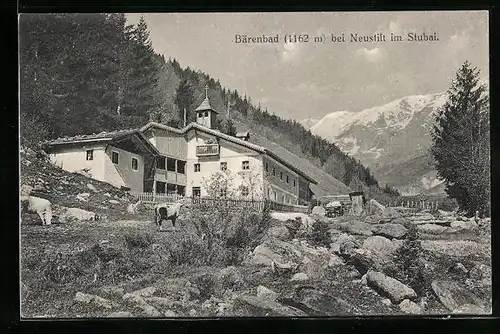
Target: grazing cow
{"x":41,"y":206}
{"x":167,"y":211}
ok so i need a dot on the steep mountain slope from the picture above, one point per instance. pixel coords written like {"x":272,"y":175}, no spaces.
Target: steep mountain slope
{"x":308,"y":122}
{"x":392,"y":139}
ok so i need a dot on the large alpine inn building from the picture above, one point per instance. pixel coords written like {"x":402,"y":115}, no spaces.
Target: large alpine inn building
{"x":165,"y":160}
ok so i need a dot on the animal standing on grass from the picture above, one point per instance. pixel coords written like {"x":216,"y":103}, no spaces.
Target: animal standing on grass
{"x":167,"y":211}
{"x":38,"y":205}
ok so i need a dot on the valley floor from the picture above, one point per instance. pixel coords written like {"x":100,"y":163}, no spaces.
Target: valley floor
{"x":126,"y":268}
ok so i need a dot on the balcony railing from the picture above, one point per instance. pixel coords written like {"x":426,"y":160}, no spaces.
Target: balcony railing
{"x":207,"y":150}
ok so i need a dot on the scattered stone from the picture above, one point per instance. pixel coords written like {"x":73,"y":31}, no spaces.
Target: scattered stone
{"x":458,"y":268}
{"x":266,"y":294}
{"x":464,"y":225}
{"x":386,"y":302}
{"x":113,"y":201}
{"x":262,"y":255}
{"x":25,"y":190}
{"x":320,"y":303}
{"x":422,"y":216}
{"x":254,"y":306}
{"x":91,"y":187}
{"x":469,"y":309}
{"x":169,"y":314}
{"x":299,"y":277}
{"x":229,"y":278}
{"x":120,"y":314}
{"x":390,"y":230}
{"x":112,"y":291}
{"x":138,"y":301}
{"x":356,"y":227}
{"x":146,"y":292}
{"x":335,"y":260}
{"x":107,"y":194}
{"x":192,"y":313}
{"x":93,"y":299}
{"x":452,"y":295}
{"x":407,"y":306}
{"x":338,"y":240}
{"x":394,"y":289}
{"x":363,"y":280}
{"x":381,"y":246}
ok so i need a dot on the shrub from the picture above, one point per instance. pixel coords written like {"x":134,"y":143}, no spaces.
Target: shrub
{"x":138,"y":240}
{"x":409,"y":268}
{"x":320,"y":235}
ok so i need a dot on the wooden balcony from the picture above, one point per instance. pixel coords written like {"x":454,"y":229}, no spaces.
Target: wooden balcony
{"x":207,"y":150}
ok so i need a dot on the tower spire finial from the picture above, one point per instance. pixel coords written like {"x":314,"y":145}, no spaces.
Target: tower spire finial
{"x":206,"y":91}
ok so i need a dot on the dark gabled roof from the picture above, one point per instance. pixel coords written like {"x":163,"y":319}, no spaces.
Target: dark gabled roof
{"x":259,"y":148}
{"x":102,"y":137}
{"x":205,"y":105}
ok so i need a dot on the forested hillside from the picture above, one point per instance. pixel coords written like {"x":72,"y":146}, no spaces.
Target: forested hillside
{"x":84,"y":73}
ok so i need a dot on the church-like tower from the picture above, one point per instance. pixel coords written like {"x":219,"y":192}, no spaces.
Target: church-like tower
{"x":205,"y":115}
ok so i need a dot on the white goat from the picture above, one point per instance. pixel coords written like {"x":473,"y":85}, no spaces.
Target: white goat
{"x":41,"y":206}
{"x":168,"y":211}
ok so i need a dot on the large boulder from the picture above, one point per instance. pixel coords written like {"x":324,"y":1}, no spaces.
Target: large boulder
{"x":409,"y":307}
{"x":470,"y":309}
{"x":380,"y":246}
{"x":319,"y":303}
{"x":452,"y":295}
{"x":136,"y":301}
{"x":356,"y":227}
{"x":338,"y":240}
{"x":390,"y":287}
{"x":390,"y":230}
{"x":481,"y":272}
{"x":254,"y":306}
{"x":266,"y":294}
{"x":262,"y":255}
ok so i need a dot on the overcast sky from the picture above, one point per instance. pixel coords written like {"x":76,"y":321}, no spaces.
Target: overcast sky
{"x":311,"y":80}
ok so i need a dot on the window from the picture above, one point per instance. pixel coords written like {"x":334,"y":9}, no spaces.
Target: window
{"x":171,"y":165}
{"x":281,"y":175}
{"x":275,"y":196}
{"x":274,"y":171}
{"x":114,"y":157}
{"x":267,"y":167}
{"x":197,"y":167}
{"x":206,"y":113}
{"x":181,"y":167}
{"x":223,"y":192}
{"x":160,"y":163}
{"x":245,"y":165}
{"x":223,"y":166}
{"x":287,"y":179}
{"x":294,"y":183}
{"x":160,"y":187}
{"x":134,"y":164}
{"x":244,"y":191}
{"x":90,"y":154}
{"x":196,"y":192}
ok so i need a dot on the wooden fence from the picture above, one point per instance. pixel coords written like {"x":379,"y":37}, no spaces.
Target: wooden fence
{"x":423,"y":205}
{"x":152,"y":197}
{"x":257,"y":205}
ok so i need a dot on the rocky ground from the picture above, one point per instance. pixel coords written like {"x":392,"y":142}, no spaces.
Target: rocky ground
{"x":299,"y":265}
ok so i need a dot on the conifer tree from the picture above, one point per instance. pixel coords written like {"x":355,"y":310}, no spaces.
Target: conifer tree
{"x":461,"y":143}
{"x":184,"y":99}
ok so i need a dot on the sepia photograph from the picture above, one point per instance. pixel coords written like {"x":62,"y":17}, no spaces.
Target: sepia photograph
{"x":254,"y":164}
